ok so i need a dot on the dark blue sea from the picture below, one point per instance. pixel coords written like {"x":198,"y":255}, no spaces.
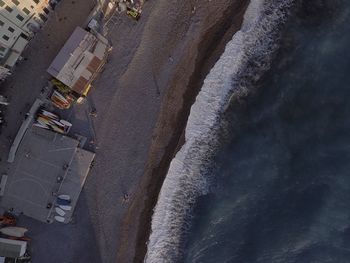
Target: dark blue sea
{"x":264,"y":173}
{"x":281,"y":186}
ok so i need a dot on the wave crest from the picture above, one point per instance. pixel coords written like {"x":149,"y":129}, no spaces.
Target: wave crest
{"x":246,"y":57}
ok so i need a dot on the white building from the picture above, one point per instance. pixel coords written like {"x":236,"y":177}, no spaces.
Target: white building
{"x":19,"y":20}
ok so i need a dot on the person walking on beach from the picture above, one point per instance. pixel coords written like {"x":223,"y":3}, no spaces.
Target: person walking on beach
{"x":125,"y":197}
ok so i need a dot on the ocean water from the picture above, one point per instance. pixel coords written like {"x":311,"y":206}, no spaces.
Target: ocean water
{"x":263,"y":175}
{"x":282,"y":186}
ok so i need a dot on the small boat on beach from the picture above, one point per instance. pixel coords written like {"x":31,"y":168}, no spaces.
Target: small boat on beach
{"x":64,"y":197}
{"x":59,"y":219}
{"x":65,"y":207}
{"x":14,"y":231}
{"x":60,"y":211}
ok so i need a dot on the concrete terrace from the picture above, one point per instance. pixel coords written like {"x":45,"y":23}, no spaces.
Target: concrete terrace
{"x":46,"y":164}
{"x":23,"y":87}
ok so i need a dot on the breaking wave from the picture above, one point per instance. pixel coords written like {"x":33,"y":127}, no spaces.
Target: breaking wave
{"x":246,"y":57}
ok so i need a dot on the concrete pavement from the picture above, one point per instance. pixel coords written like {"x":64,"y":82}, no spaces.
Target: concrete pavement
{"x":50,"y":243}
{"x":30,"y":76}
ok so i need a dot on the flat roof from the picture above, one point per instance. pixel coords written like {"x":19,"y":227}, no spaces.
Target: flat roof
{"x":62,"y":57}
{"x":12,"y":248}
{"x":42,"y":157}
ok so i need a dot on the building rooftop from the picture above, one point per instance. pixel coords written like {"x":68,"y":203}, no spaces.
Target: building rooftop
{"x":79,"y":60}
{"x":12,"y":248}
{"x":67,"y":50}
{"x":46,"y":163}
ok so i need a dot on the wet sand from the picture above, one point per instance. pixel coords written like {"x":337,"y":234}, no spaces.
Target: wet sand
{"x":207,"y":27}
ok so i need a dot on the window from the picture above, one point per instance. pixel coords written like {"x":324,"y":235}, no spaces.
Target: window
{"x":36,"y":1}
{"x":20,"y":18}
{"x":15,"y":2}
{"x":1,"y":23}
{"x":24,"y":36}
{"x":11,"y":29}
{"x":2,"y":51}
{"x":5,"y":37}
{"x":9,"y":9}
{"x":25,"y":10}
{"x":2,"y":3}
{"x":42,"y":17}
{"x":46,"y":10}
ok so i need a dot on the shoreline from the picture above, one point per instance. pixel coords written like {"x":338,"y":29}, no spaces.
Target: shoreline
{"x":168,"y":136}
{"x":143,"y":99}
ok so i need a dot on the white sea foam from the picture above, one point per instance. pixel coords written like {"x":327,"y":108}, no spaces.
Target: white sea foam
{"x":246,"y":57}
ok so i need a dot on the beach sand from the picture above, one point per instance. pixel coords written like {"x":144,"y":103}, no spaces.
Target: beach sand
{"x":193,"y":36}
{"x":143,"y":98}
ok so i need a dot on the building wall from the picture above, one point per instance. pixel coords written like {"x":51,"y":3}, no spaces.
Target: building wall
{"x":9,"y":32}
{"x":19,"y":19}
{"x":4,"y":72}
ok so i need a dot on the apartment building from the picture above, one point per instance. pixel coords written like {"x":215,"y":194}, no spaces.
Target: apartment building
{"x":19,"y":20}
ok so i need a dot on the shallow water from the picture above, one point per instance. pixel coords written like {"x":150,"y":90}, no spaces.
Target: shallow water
{"x":282,"y":189}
